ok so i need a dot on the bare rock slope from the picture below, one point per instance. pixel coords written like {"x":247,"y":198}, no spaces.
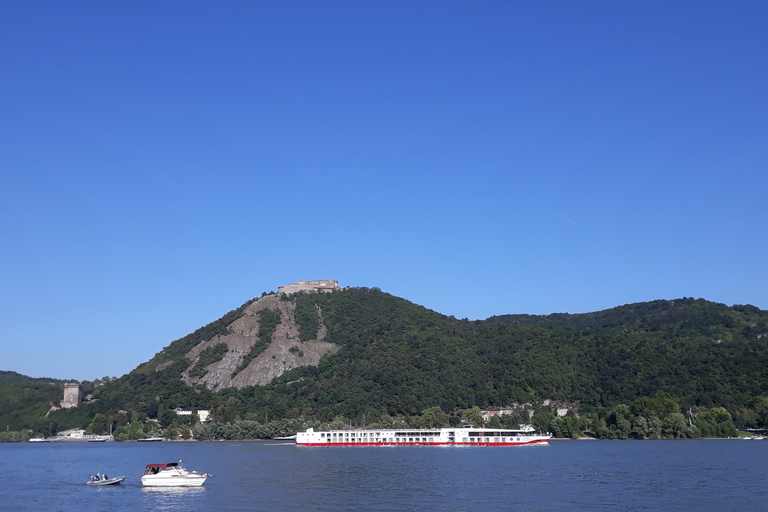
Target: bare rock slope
{"x":285,"y":352}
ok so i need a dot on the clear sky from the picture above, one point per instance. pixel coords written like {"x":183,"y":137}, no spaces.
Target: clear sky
{"x":163,"y":162}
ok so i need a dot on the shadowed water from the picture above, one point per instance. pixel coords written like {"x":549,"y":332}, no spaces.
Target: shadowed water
{"x":707,"y":475}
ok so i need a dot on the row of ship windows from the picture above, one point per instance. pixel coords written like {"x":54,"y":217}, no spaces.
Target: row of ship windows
{"x":353,"y":435}
{"x":365,"y":434}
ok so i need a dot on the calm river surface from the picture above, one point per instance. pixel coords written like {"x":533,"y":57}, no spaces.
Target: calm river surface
{"x":697,"y":475}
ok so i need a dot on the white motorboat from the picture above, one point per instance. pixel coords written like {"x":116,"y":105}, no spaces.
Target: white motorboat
{"x":171,"y":474}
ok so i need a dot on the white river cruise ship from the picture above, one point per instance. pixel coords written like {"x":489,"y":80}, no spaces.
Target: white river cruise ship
{"x":466,"y":436}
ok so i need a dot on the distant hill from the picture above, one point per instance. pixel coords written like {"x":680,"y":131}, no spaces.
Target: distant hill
{"x":361,"y":353}
{"x":681,"y":317}
{"x":14,"y":378}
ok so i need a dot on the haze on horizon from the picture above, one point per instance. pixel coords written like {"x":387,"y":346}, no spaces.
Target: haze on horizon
{"x":164,"y":163}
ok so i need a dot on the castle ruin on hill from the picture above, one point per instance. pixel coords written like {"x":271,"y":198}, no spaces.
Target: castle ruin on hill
{"x":71,"y":395}
{"x":309,"y":286}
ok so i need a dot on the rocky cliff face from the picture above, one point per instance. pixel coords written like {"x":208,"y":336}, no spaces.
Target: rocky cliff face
{"x":278,"y":357}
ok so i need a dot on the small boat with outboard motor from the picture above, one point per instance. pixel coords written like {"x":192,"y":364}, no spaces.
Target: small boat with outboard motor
{"x":103,"y":479}
{"x":171,"y":474}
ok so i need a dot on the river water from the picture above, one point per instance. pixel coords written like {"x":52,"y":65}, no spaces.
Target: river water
{"x":711,"y":475}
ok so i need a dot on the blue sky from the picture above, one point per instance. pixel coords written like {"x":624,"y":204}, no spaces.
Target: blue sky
{"x":164,"y":162}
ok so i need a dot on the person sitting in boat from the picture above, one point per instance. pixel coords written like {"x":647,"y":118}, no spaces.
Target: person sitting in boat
{"x":104,"y":477}
{"x":95,"y":477}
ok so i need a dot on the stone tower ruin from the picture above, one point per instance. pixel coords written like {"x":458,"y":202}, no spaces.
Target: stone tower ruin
{"x":71,"y":395}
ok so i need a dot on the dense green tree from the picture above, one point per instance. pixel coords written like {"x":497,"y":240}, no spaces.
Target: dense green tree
{"x":542,"y":420}
{"x":433,"y":417}
{"x":566,"y":426}
{"x":472,"y":417}
{"x":99,"y":425}
{"x":166,"y":417}
{"x":494,"y":422}
{"x":674,"y":426}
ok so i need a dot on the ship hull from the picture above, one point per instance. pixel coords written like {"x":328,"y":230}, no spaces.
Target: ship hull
{"x":149,"y":481}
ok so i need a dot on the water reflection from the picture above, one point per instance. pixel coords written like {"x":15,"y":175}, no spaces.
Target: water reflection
{"x":169,"y":491}
{"x":171,"y":498}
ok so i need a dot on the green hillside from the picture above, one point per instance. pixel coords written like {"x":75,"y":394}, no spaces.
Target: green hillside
{"x":654,"y":361}
{"x":702,"y":352}
{"x":24,"y":401}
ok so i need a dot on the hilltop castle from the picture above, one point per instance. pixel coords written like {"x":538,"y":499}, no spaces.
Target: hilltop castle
{"x":309,"y":286}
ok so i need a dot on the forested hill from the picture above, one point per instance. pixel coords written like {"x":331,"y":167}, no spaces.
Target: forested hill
{"x":364,"y":353}
{"x":677,"y":318}
{"x":20,"y":380}
{"x":23,"y":400}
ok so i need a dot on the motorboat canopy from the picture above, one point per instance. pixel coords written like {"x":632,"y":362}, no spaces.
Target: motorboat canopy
{"x":163,"y":466}
{"x":153,"y":469}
